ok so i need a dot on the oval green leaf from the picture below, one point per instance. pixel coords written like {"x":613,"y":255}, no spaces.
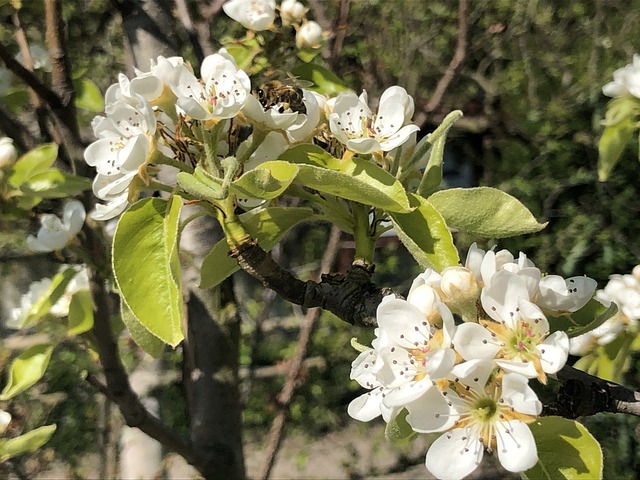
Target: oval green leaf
{"x":485,"y":211}
{"x":33,"y":162}
{"x":266,"y":225}
{"x":146,"y":266}
{"x":353,"y":178}
{"x":140,"y":334}
{"x":612,"y":143}
{"x":566,"y":450}
{"x":26,"y":370}
{"x":425,"y":234}
{"x":55,"y":184}
{"x":80,"y":313}
{"x":28,"y":442}
{"x":43,"y":305}
{"x":324,"y":81}
{"x":88,"y":96}
{"x":268,"y":180}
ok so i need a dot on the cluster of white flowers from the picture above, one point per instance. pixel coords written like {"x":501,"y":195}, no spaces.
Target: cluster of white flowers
{"x":40,"y":288}
{"x":171,"y":116}
{"x":469,"y":381}
{"x":626,"y":80}
{"x":624,"y":290}
{"x":258,"y":15}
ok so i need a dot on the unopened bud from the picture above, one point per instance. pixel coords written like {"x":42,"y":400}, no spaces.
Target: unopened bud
{"x":8,"y":153}
{"x":292,"y":11}
{"x":309,"y":36}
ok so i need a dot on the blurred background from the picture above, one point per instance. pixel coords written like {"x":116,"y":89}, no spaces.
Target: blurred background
{"x":528,"y":75}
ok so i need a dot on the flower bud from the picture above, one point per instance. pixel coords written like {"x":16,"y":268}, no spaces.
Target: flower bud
{"x":5,"y":420}
{"x":8,"y":153}
{"x":291,"y":11}
{"x":309,"y":36}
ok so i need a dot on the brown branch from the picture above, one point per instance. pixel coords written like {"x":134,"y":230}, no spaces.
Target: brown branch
{"x":340,"y":28}
{"x":352,"y":297}
{"x":456,"y":61}
{"x":582,"y":395}
{"x":192,"y":33}
{"x":276,"y":434}
{"x":17,"y":130}
{"x":117,"y":381}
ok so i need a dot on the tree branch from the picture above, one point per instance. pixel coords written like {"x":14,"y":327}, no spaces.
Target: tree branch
{"x":352,"y":297}
{"x":286,"y":395}
{"x":456,"y":61}
{"x":582,"y":394}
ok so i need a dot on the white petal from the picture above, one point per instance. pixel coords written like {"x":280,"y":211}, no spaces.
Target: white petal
{"x":404,"y":323}
{"x":474,"y":341}
{"x":112,"y":209}
{"x":73,"y":216}
{"x":430,"y":413}
{"x":517,"y":450}
{"x":517,"y":393}
{"x":407,"y":393}
{"x":554,"y":351}
{"x":454,"y":455}
{"x":367,"y":406}
{"x":473,"y":373}
{"x":527,"y":369}
{"x":363,"y":145}
{"x":440,"y":362}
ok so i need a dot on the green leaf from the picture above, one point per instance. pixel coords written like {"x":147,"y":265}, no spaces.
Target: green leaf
{"x":26,"y":370}
{"x":33,"y":162}
{"x":28,"y":442}
{"x":432,"y":177}
{"x":398,"y":430}
{"x":266,"y":225}
{"x":566,"y":450}
{"x":140,"y":334}
{"x":243,"y":51}
{"x":485,"y":211}
{"x":146,"y":265}
{"x":609,"y":361}
{"x":88,"y":96}
{"x":355,"y":178}
{"x":201,"y":185}
{"x":268,"y":180}
{"x":612,"y":143}
{"x":591,"y":316}
{"x":80,"y":313}
{"x":426,"y":236}
{"x":54,"y":183}
{"x":324,"y":81}
{"x":42,"y":305}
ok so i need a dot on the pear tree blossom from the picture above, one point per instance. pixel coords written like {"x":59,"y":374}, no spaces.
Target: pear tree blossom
{"x":489,"y":413}
{"x":55,"y":232}
{"x":309,"y":35}
{"x":292,"y":12}
{"x":362,"y":131}
{"x":626,"y":80}
{"x":8,"y":153}
{"x":254,"y":15}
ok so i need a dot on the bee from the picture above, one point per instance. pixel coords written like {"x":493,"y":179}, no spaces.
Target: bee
{"x":283,"y":94}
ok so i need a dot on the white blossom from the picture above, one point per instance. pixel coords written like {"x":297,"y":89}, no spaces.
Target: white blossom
{"x":488,"y":415}
{"x":291,"y":11}
{"x":220,"y":94}
{"x":252,"y":14}
{"x":354,"y":125}
{"x":5,"y":420}
{"x":8,"y":153}
{"x":309,"y":35}
{"x":54,"y":232}
{"x":39,"y":56}
{"x":626,"y":80}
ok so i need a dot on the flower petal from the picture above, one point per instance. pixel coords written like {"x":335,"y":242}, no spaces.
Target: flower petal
{"x":454,"y":455}
{"x":517,"y":450}
{"x":474,"y":341}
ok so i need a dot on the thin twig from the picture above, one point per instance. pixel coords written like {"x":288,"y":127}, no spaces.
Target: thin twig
{"x":284,"y":399}
{"x":456,"y":61}
{"x":185,"y":19}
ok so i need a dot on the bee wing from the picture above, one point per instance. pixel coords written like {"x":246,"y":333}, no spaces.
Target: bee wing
{"x":294,"y":81}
